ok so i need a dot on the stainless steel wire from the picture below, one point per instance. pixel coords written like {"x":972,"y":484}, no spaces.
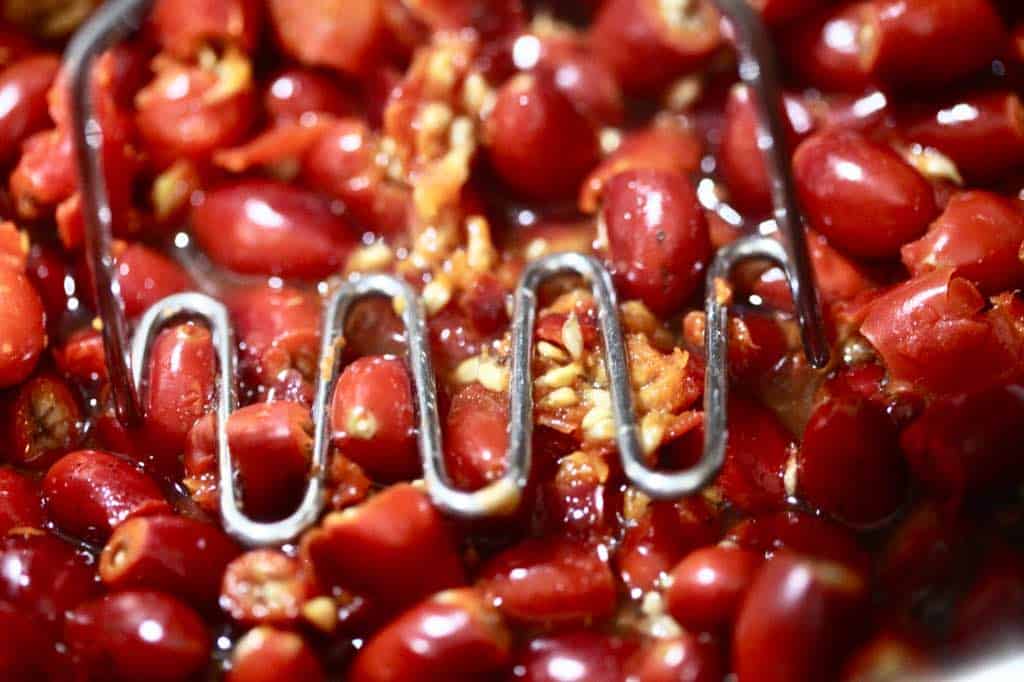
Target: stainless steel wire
{"x":118,"y":18}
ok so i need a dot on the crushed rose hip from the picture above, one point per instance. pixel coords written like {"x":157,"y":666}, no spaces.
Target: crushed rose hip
{"x":867,"y":523}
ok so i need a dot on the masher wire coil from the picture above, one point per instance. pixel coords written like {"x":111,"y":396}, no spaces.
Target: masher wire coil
{"x":117,"y":19}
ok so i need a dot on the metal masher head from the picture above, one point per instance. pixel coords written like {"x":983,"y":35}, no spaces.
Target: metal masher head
{"x":117,"y":19}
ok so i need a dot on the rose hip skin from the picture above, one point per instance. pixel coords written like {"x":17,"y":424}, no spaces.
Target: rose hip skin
{"x":683,"y":658}
{"x":980,"y":235}
{"x":146,"y":276}
{"x":590,"y":655}
{"x":267,"y":655}
{"x":982,"y":133}
{"x":797,"y":620}
{"x":263,"y":227}
{"x":173,"y":554}
{"x":26,"y":651}
{"x":538,"y":143}
{"x":708,"y":586}
{"x":849,"y":464}
{"x":656,"y":541}
{"x":190,"y":112}
{"x":271,"y":444}
{"x":862,"y":196}
{"x":43,"y":576}
{"x":646,"y":48}
{"x":896,"y":42}
{"x":183,"y":28}
{"x":20,"y":503}
{"x":179,"y":390}
{"x":22,"y":328}
{"x":45,"y":422}
{"x":373,"y":419}
{"x":756,"y":454}
{"x":393,"y":530}
{"x":294,"y":93}
{"x":799,"y":533}
{"x":932,"y":334}
{"x":550,"y":580}
{"x":739,"y":156}
{"x":264,"y":586}
{"x":23,"y":88}
{"x":666,"y":145}
{"x":138,"y":635}
{"x":348,"y":35}
{"x":88,"y":493}
{"x":454,"y":635}
{"x":476,"y":437}
{"x":658,"y":241}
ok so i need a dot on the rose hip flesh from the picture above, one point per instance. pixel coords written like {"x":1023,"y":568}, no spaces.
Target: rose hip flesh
{"x":264,"y":586}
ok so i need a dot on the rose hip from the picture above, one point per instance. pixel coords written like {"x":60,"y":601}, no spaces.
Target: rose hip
{"x":648,"y":44}
{"x":173,"y":554}
{"x":43,"y":576}
{"x":22,"y":328}
{"x":658,"y":241}
{"x":707,"y":588}
{"x":271,"y":444}
{"x":45,"y":422}
{"x":476,"y":437}
{"x":183,"y":28}
{"x":798,"y":619}
{"x":540,"y":145}
{"x":454,"y":635}
{"x":550,"y":580}
{"x":190,"y":112}
{"x":589,"y":655}
{"x":739,"y":156}
{"x":265,"y":654}
{"x":582,"y":499}
{"x":373,"y":418}
{"x":861,"y":195}
{"x":683,"y":658}
{"x":180,"y":389}
{"x":270,"y":228}
{"x":849,"y":464}
{"x":800,"y":533}
{"x":932,"y":334}
{"x":146,"y":276}
{"x":348,"y":35}
{"x":294,"y":93}
{"x":393,"y":530}
{"x":775,"y":12}
{"x":26,"y":651}
{"x":20,"y":503}
{"x":980,"y":235}
{"x":23,"y":88}
{"x":756,"y":455}
{"x":138,"y":635}
{"x":265,"y":586}
{"x":667,"y":145}
{"x":664,"y":534}
{"x":982,"y":133}
{"x":886,"y":655}
{"x":88,"y":493}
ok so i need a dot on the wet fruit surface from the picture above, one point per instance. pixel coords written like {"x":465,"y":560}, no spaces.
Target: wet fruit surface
{"x":867,"y":520}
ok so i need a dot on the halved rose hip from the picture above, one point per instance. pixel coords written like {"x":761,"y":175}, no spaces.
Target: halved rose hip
{"x":183,"y":28}
{"x":173,"y":554}
{"x":265,"y":654}
{"x":266,"y":587}
{"x":373,"y":419}
{"x":798,"y":619}
{"x":138,"y":635}
{"x":658,"y":242}
{"x":394,"y":530}
{"x":264,"y":227}
{"x":980,"y":235}
{"x":89,"y":493}
{"x":861,"y":195}
{"x":454,"y":635}
{"x":271,"y":445}
{"x":44,"y":422}
{"x":550,"y":580}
